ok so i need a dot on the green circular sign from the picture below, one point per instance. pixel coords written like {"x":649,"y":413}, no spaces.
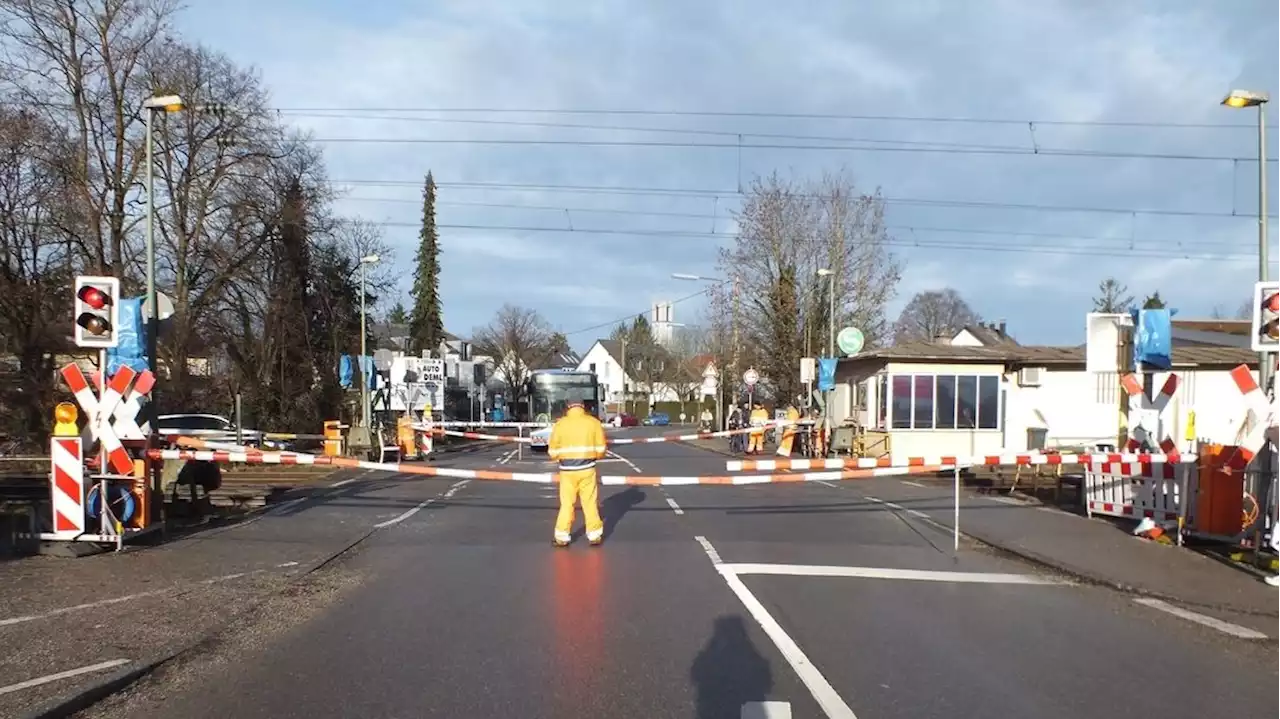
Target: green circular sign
{"x":850,"y":340}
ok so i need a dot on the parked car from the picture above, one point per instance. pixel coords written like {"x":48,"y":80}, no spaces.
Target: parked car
{"x":213,"y":428}
{"x":657,"y":419}
{"x":623,"y":420}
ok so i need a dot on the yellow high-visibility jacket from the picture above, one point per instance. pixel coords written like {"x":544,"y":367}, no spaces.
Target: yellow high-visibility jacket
{"x":577,"y":440}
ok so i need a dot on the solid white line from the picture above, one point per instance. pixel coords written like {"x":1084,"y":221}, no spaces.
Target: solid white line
{"x":109,"y":664}
{"x":832,"y":705}
{"x":343,"y":483}
{"x":1234,"y":630}
{"x":766,"y":710}
{"x":630,"y":464}
{"x":913,"y":484}
{"x":1008,"y":500}
{"x":833,"y":486}
{"x":817,"y":570}
{"x":406,"y":515}
{"x":674,"y":507}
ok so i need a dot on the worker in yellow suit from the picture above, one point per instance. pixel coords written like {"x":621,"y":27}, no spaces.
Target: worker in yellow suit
{"x":788,"y":432}
{"x":577,"y":441}
{"x":759,"y":418}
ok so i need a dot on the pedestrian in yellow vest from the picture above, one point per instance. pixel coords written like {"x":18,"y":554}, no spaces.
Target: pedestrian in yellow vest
{"x":759,"y":417}
{"x":577,"y":441}
{"x":789,"y":432}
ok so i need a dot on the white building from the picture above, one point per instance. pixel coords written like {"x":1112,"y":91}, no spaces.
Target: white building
{"x":984,"y":393}
{"x":605,"y":359}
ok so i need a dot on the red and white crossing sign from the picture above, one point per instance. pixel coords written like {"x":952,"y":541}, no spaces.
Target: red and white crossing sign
{"x":111,"y":406}
{"x":1260,"y":412}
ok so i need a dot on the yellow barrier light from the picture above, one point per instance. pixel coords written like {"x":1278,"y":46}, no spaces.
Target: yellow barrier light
{"x":64,"y":420}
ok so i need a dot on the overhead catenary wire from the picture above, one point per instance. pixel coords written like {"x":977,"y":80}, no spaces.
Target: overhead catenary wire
{"x":712,"y":193}
{"x":641,"y":313}
{"x":754,"y":114}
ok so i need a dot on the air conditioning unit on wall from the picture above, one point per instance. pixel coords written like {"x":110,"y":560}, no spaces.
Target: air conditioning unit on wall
{"x":1030,"y":376}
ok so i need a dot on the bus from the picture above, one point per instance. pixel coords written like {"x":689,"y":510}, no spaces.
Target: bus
{"x":550,"y":391}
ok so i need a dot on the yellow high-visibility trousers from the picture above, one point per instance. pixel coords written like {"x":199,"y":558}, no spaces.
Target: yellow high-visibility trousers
{"x":579,"y":485}
{"x":755,"y":443}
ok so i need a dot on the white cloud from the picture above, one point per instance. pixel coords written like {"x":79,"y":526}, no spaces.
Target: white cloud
{"x":1160,"y":60}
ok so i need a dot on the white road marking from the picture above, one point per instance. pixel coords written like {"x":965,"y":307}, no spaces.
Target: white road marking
{"x":818,"y":570}
{"x":285,"y":505}
{"x":1234,"y":630}
{"x":913,"y":484}
{"x":766,"y":710}
{"x":829,"y":484}
{"x":423,"y":505}
{"x":343,"y":483}
{"x":10,"y":621}
{"x":1008,"y":500}
{"x":100,"y":666}
{"x":630,"y":464}
{"x":674,"y":507}
{"x":406,"y":515}
{"x":832,"y":705}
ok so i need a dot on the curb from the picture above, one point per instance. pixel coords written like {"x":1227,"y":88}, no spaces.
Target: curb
{"x":1090,"y":578}
{"x":95,"y":692}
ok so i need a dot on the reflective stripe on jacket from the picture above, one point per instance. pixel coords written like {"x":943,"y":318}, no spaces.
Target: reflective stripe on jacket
{"x":577,"y":440}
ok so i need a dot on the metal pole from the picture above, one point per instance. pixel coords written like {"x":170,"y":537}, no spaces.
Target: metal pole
{"x":733,"y":373}
{"x":152,"y":321}
{"x":364,"y":375}
{"x":955,"y":517}
{"x":239,"y":421}
{"x":1264,"y":363}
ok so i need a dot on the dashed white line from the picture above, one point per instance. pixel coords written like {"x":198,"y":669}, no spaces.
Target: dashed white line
{"x":628,"y":462}
{"x":1008,"y":500}
{"x":100,"y":666}
{"x":766,"y":710}
{"x":1234,"y":630}
{"x":423,"y":505}
{"x":830,"y":702}
{"x":674,"y":507}
{"x":913,"y":484}
{"x":343,"y":483}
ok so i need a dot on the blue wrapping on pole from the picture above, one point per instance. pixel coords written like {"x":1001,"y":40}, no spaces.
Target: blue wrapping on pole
{"x":130,"y":351}
{"x":1153,"y":338}
{"x":826,"y":373}
{"x":346,"y":372}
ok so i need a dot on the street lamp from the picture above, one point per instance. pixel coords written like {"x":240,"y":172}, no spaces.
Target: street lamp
{"x":1249,"y":98}
{"x":733,"y":370}
{"x":364,"y":334}
{"x":152,"y":105}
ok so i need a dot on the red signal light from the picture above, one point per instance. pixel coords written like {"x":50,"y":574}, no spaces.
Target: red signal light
{"x":94,"y":297}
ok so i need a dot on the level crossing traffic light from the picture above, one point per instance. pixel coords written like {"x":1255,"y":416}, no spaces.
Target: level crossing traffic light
{"x":97,"y":311}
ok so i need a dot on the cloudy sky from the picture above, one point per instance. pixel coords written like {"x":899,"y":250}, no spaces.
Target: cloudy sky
{"x":1120,"y":99}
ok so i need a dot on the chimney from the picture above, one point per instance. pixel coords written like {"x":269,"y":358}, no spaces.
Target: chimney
{"x":942,"y":339}
{"x":1001,"y":328}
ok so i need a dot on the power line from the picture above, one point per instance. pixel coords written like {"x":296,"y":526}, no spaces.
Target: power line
{"x":1083,"y":251}
{"x":614,"y":323}
{"x":727,"y":193}
{"x":771,"y":115}
{"x":945,"y":150}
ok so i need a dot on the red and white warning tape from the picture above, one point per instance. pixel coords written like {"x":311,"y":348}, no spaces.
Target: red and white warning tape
{"x":767,"y":465}
{"x":547,"y":478}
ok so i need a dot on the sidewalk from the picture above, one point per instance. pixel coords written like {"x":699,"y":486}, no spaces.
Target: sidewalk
{"x":1099,"y":551}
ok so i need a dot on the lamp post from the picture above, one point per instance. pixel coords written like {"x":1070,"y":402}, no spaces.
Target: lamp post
{"x":150,"y":106}
{"x":733,"y":370}
{"x":1249,"y":98}
{"x":364,"y":334}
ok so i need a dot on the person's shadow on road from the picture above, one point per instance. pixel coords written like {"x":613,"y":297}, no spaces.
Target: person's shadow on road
{"x":729,"y":672}
{"x":616,"y":505}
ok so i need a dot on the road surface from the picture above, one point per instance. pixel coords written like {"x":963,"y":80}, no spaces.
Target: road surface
{"x":774,"y":600}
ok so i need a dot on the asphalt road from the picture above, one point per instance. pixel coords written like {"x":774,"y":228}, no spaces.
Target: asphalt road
{"x":703,"y":600}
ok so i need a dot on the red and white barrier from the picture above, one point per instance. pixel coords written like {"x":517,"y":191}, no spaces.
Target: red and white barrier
{"x":226,"y":457}
{"x":67,"y":488}
{"x":945,"y":461}
{"x":628,"y":440}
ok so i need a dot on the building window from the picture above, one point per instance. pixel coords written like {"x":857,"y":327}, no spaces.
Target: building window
{"x":926,"y":401}
{"x":882,"y":402}
{"x":592,"y":367}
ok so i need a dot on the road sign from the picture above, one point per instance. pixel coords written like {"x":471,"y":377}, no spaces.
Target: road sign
{"x":710,"y":371}
{"x":382,"y":360}
{"x":709,"y":386}
{"x":750,"y":377}
{"x":1266,"y":317}
{"x":100,"y":411}
{"x":97,"y":311}
{"x":850,"y":341}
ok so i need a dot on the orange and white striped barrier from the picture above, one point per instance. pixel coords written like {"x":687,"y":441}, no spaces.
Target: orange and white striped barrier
{"x":767,"y":465}
{"x":629,"y":440}
{"x":226,"y":457}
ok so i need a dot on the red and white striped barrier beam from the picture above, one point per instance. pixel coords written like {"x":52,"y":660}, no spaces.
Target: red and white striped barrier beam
{"x":225,"y":457}
{"x":767,"y":465}
{"x":630,"y":440}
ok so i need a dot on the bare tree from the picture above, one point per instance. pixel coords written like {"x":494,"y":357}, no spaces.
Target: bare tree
{"x":933,"y":314}
{"x":79,"y":65}
{"x":1113,"y":297}
{"x":516,"y":339}
{"x":788,"y":230}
